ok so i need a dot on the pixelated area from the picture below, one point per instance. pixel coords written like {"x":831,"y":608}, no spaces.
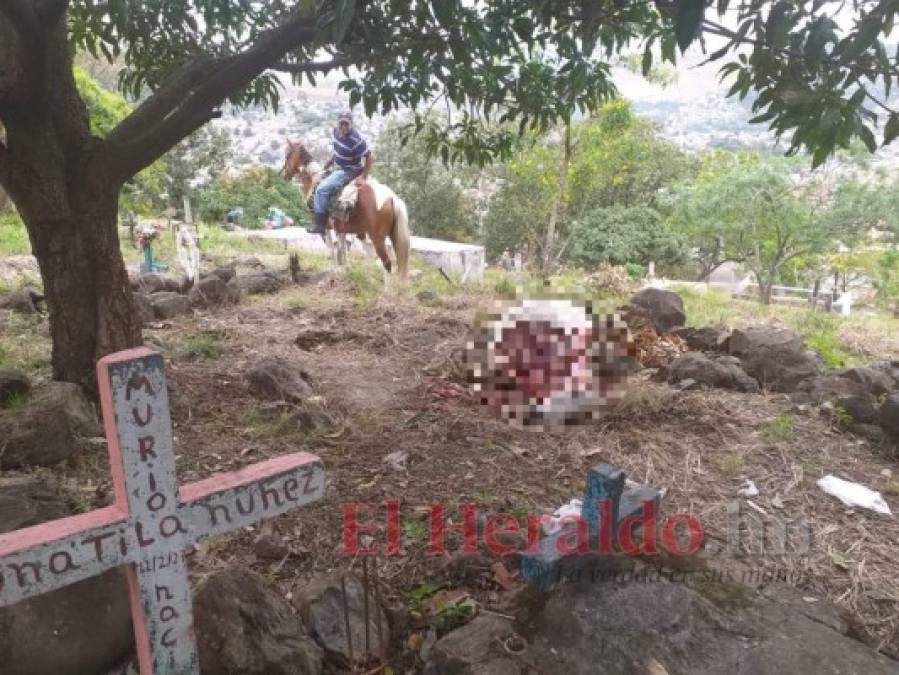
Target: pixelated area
{"x":543,"y":364}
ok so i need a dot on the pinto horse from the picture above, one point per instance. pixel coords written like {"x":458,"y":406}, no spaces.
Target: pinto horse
{"x":378,"y":212}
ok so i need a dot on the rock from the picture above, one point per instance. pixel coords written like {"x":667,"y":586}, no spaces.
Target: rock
{"x":15,"y":267}
{"x":211,"y":291}
{"x":48,"y":427}
{"x":270,"y":547}
{"x":774,"y":356}
{"x":861,"y":408}
{"x":723,"y":372}
{"x":244,"y":629}
{"x":158,"y":283}
{"x":426,"y":296}
{"x":888,"y":368}
{"x":888,"y":415}
{"x":477,"y":649}
{"x":875,"y":381}
{"x":13,"y":383}
{"x":25,"y":301}
{"x":275,"y":380}
{"x":708,"y":628}
{"x":872,"y":432}
{"x":321,"y":606}
{"x":663,"y":310}
{"x":261,"y":282}
{"x":705,"y":339}
{"x":226,"y":273}
{"x":82,"y":628}
{"x":143,"y":307}
{"x":829,"y":388}
{"x":167,"y":305}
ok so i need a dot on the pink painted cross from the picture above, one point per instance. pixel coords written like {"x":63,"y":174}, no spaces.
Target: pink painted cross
{"x":152,"y":521}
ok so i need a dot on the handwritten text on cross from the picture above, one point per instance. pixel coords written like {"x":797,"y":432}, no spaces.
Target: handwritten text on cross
{"x":152,"y":521}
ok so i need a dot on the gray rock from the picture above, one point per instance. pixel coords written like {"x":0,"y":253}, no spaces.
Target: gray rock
{"x":426,"y":296}
{"x":477,"y":649}
{"x":639,"y":628}
{"x":829,"y":388}
{"x":890,"y":369}
{"x":212,"y":291}
{"x":706,"y":339}
{"x":861,"y":408}
{"x":875,"y":381}
{"x":261,"y":282}
{"x":274,"y":380}
{"x":143,"y":307}
{"x":872,"y":432}
{"x":158,"y":283}
{"x":774,"y":356}
{"x":47,"y":429}
{"x":320,"y":604}
{"x":888,"y":415}
{"x":723,"y":372}
{"x":82,"y":628}
{"x":25,"y":301}
{"x":664,"y":310}
{"x":168,"y":305}
{"x":244,"y":629}
{"x":270,"y":547}
{"x":226,"y":273}
{"x":13,"y":382}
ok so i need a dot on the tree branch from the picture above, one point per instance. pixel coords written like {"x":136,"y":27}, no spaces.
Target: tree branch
{"x":52,"y":10}
{"x":315,"y":66}
{"x":190,"y":100}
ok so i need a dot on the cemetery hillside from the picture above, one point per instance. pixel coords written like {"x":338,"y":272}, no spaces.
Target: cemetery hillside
{"x":449,"y":337}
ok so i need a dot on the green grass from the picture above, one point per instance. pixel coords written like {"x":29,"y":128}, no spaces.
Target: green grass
{"x":15,"y":401}
{"x":366,"y":278}
{"x":204,"y":345}
{"x":781,"y":429}
{"x":731,"y":463}
{"x":13,"y":236}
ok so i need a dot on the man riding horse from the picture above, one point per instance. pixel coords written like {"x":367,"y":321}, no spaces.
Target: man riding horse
{"x":353,"y":160}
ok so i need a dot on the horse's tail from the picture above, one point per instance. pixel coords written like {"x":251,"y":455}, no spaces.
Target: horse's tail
{"x":401,"y":236}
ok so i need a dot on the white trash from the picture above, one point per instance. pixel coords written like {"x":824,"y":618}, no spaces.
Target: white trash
{"x":748,"y":489}
{"x":853,"y":494}
{"x":554,"y":524}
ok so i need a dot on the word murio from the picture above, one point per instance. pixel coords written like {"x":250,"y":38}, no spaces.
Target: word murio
{"x":680,"y":534}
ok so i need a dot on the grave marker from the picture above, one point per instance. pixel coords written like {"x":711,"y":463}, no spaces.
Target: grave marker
{"x":605,"y":495}
{"x":152,"y":521}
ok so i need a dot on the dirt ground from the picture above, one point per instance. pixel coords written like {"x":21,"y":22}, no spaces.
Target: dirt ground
{"x":389,"y":382}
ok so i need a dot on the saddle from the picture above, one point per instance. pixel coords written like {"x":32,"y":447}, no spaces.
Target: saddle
{"x":342,"y":201}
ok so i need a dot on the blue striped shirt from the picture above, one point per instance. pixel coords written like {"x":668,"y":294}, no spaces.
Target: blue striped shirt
{"x":349,"y":150}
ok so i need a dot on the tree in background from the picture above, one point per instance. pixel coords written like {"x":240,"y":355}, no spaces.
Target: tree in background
{"x":438,"y":204}
{"x":196,"y":161}
{"x":615,"y":159}
{"x":487,"y":60}
{"x":255,"y":191}
{"x":758,"y":214}
{"x":105,"y":109}
{"x":625,"y":234}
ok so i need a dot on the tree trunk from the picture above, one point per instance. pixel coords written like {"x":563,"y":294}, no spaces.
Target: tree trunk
{"x":68,"y":199}
{"x":86,"y":287}
{"x":549,"y":248}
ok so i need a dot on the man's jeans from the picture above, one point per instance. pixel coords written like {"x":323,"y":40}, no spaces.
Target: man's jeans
{"x":335,"y":181}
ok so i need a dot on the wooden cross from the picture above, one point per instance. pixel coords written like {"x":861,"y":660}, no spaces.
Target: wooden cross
{"x":152,"y":521}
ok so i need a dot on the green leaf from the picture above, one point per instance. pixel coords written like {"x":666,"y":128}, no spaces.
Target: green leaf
{"x":891,"y":130}
{"x":868,"y":139}
{"x":687,"y":21}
